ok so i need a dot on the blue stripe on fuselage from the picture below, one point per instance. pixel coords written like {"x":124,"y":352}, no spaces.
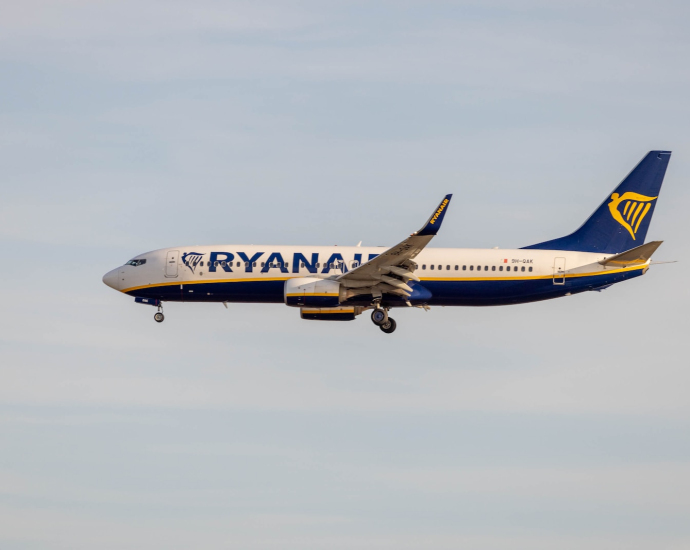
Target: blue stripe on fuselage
{"x":445,"y":292}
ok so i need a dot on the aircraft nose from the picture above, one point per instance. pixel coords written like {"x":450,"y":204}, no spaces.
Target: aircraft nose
{"x":111,"y":279}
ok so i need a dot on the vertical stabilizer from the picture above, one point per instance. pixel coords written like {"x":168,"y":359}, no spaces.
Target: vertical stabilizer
{"x":622,"y":220}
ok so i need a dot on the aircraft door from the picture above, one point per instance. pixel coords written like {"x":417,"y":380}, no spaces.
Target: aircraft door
{"x":171,"y":263}
{"x":559,"y":271}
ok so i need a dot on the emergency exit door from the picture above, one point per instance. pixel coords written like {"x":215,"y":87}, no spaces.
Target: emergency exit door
{"x":171,"y":263}
{"x":559,"y":271}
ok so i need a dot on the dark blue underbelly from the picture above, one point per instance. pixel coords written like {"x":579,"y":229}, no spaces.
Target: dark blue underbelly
{"x":444,"y":293}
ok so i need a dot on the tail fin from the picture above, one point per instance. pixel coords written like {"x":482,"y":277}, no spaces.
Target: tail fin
{"x":622,"y":220}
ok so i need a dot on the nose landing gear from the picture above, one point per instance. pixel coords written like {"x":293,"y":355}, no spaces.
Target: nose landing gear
{"x":159,"y":317}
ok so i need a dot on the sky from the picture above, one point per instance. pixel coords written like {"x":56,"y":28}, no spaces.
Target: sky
{"x":131,"y":126}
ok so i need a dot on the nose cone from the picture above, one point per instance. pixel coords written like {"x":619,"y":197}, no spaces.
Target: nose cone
{"x":111,"y":279}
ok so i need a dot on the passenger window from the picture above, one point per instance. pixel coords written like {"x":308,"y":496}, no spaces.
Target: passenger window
{"x":530,"y":268}
{"x":515,"y":268}
{"x":456,"y":268}
{"x":471,"y":268}
{"x":447,"y":268}
{"x":302,"y":265}
{"x":287,"y":264}
{"x":222,"y":263}
{"x":432,"y":266}
{"x":500,"y":268}
{"x":318,"y":264}
{"x":486,"y":268}
{"x":423,"y":266}
{"x":464,"y":268}
{"x":254,"y":264}
{"x":202,"y":264}
{"x":263,"y":264}
{"x":440,"y":267}
{"x":493,"y":268}
{"x":246,"y":264}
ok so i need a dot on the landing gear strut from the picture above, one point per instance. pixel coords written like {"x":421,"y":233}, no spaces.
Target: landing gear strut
{"x":159,"y":317}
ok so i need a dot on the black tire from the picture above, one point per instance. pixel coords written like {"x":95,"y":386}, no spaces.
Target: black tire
{"x":379,"y":316}
{"x":159,"y":317}
{"x":389,"y":327}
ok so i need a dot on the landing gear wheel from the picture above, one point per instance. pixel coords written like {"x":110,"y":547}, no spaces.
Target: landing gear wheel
{"x":158,"y":317}
{"x":379,"y":317}
{"x":389,"y":326}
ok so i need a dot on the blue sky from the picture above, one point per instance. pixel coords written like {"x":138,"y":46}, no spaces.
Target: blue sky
{"x":131,"y":126}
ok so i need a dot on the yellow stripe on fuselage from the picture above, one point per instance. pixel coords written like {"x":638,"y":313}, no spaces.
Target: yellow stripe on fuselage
{"x":476,"y":279}
{"x":185,"y":283}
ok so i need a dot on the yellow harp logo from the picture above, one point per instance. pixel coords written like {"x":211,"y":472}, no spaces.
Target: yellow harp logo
{"x":635,"y":208}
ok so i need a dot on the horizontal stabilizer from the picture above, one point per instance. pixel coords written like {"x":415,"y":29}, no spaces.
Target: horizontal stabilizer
{"x":636,"y":256}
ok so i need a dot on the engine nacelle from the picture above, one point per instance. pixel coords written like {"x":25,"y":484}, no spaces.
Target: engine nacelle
{"x":312,"y":292}
{"x":148,"y":301}
{"x":330,"y":313}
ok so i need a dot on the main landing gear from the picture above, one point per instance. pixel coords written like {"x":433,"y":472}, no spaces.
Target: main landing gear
{"x":159,"y":317}
{"x":380,"y":318}
{"x":389,"y":327}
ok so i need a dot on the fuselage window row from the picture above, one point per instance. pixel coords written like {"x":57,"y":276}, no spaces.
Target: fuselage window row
{"x":479,"y":267}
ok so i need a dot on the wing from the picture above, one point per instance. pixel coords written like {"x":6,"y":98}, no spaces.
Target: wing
{"x":391,"y":271}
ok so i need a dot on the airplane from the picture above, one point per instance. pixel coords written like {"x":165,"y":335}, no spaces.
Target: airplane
{"x":336,"y":283}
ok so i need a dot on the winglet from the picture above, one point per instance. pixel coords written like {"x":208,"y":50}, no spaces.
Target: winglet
{"x":433,"y":224}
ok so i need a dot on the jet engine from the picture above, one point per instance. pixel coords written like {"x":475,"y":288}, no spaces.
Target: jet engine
{"x":313,"y":292}
{"x":331,"y":313}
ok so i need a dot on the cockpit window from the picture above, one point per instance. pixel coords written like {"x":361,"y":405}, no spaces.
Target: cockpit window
{"x":135,"y":263}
